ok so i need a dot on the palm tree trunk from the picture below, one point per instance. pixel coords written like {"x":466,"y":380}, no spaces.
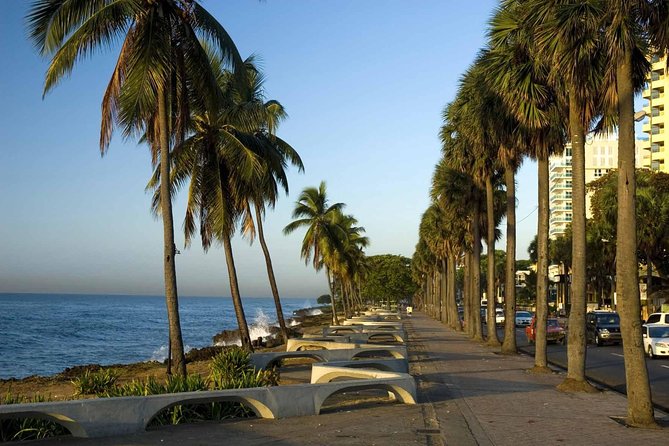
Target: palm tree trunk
{"x":540,"y":356}
{"x":476,"y":273}
{"x":344,"y":298}
{"x":236,"y":297}
{"x":509,"y":345}
{"x":454,"y":317}
{"x":335,"y":320}
{"x":576,"y":349}
{"x":444,"y":292}
{"x":493,"y":340}
{"x":270,"y":275}
{"x":466,"y":285}
{"x":639,"y":405}
{"x":176,"y":346}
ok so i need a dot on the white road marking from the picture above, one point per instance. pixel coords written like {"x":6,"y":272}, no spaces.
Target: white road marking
{"x":618,"y":354}
{"x":665,"y":366}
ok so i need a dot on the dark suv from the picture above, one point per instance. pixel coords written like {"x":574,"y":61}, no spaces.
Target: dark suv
{"x":603,"y":327}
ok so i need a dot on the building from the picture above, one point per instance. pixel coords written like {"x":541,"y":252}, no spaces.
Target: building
{"x":654,"y":147}
{"x":601,"y":156}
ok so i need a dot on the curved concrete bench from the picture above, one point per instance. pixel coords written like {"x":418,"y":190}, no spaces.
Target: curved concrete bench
{"x":397,"y":351}
{"x":362,"y":338}
{"x":328,"y":338}
{"x":129,"y":415}
{"x":395,"y":325}
{"x":269,"y":359}
{"x":384,"y":365}
{"x":325,"y":373}
{"x":347,"y":329}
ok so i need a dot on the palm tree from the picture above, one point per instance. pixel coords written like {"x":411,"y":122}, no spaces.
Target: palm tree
{"x":522,"y":80}
{"x":263,"y":118}
{"x":161,"y":61}
{"x":224,"y":158}
{"x":628,"y":25}
{"x":567,"y":36}
{"x":313,"y":212}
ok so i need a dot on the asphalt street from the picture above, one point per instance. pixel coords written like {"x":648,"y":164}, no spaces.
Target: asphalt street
{"x":605,"y":366}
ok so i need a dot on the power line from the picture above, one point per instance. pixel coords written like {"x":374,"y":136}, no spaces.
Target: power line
{"x":537,"y":207}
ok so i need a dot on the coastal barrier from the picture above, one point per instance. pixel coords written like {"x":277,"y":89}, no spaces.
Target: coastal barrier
{"x":102,"y":417}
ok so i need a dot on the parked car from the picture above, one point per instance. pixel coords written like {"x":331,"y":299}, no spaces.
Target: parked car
{"x":656,"y":339}
{"x":658,"y":318}
{"x":499,"y":316}
{"x":523,"y":318}
{"x":554,"y":331}
{"x":602,"y":327}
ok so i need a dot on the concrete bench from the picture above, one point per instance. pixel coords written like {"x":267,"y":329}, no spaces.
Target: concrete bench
{"x":381,"y":364}
{"x":360,"y":338}
{"x":269,"y":359}
{"x":397,"y":351}
{"x":130,"y":415}
{"x":395,"y":325}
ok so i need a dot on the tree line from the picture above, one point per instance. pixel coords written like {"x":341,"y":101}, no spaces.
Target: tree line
{"x":551,"y":72}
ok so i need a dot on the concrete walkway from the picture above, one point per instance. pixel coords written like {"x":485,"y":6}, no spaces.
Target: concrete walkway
{"x":468,"y":394}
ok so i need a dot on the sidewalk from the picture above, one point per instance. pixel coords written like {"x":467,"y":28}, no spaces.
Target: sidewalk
{"x":468,"y":394}
{"x":481,"y":397}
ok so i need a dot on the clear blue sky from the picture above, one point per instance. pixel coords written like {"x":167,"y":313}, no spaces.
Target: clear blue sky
{"x":364,"y":83}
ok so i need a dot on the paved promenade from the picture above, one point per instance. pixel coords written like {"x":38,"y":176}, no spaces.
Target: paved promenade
{"x":469,"y":395}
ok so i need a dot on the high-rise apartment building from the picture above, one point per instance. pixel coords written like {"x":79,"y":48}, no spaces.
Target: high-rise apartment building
{"x":654,"y":147}
{"x":601,"y":155}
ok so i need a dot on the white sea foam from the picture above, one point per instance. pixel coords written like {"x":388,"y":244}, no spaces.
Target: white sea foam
{"x":314,"y":312}
{"x":160,"y":354}
{"x":260,"y":326}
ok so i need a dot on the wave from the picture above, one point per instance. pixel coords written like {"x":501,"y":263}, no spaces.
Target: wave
{"x":160,"y":354}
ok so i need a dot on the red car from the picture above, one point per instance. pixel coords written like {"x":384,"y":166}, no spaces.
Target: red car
{"x":554,"y":332}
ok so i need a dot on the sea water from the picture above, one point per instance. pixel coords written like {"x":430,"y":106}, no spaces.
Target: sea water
{"x":42,"y":334}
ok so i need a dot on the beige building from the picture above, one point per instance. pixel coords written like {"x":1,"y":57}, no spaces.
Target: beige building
{"x":654,"y":147}
{"x":601,"y":155}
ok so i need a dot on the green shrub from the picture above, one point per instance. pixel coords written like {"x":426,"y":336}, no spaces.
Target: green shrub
{"x":95,"y":383}
{"x":21,"y":429}
{"x":231,"y":369}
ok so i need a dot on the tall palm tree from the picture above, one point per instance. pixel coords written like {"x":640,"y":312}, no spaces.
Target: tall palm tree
{"x":628,"y":26}
{"x":161,"y":61}
{"x":567,"y":36}
{"x":522,"y":80}
{"x":222,"y":158}
{"x":313,"y":212}
{"x":263,"y":118}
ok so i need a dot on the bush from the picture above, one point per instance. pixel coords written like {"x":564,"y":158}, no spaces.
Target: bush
{"x":21,"y":429}
{"x":95,"y":383}
{"x":231,"y":369}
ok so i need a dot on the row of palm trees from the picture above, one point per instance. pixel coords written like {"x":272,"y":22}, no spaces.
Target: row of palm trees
{"x":333,"y":241}
{"x":551,"y":72}
{"x":180,"y":86}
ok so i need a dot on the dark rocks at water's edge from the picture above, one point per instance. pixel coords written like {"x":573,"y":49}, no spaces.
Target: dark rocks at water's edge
{"x":301,"y":318}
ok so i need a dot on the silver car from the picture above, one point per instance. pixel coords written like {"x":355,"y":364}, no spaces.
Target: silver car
{"x":523,"y":318}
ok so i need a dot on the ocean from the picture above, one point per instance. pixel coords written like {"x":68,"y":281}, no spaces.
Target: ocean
{"x":42,"y":334}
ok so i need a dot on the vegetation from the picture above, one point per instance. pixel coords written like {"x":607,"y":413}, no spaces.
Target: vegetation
{"x":551,"y":72}
{"x":161,"y":66}
{"x":331,"y":241}
{"x":23,"y":429}
{"x":95,"y":382}
{"x":388,"y":279}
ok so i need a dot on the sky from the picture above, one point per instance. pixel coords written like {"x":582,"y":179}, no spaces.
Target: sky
{"x":364,"y":84}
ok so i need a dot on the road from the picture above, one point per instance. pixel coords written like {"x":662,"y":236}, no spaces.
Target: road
{"x":605,"y":366}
